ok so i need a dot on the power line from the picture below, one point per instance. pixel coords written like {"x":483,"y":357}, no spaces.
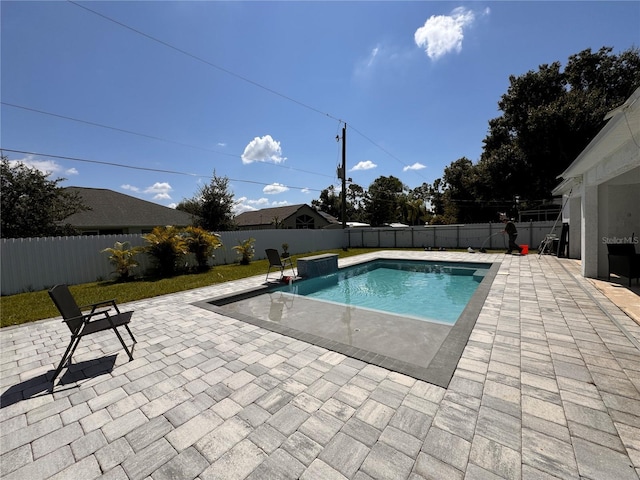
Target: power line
{"x":147,"y":169}
{"x":383,"y":149}
{"x":117,"y":129}
{"x":153,"y":137}
{"x":202,"y":60}
{"x":233,"y":74}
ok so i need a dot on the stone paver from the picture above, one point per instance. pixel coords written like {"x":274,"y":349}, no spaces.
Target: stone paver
{"x":547,"y":387}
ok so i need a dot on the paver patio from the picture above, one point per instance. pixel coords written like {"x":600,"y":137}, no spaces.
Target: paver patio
{"x":548,"y":387}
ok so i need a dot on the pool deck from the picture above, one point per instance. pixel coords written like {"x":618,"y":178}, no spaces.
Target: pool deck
{"x":548,"y":387}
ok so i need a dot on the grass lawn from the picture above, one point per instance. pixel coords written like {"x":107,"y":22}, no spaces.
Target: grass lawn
{"x":27,"y":307}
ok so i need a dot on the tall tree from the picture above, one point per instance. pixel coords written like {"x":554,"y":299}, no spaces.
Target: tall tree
{"x":383,"y":201}
{"x":212,"y":207}
{"x":329,"y":202}
{"x":549,"y":116}
{"x":31,"y":205}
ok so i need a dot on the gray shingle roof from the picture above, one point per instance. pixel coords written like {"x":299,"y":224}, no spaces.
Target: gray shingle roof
{"x":111,"y":209}
{"x":266,"y":215}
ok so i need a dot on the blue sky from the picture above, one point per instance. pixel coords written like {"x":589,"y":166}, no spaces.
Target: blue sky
{"x":258,"y":91}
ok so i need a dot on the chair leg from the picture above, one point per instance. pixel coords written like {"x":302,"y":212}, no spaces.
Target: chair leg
{"x":67,"y":356}
{"x":131,"y":334}
{"x":123,"y":344}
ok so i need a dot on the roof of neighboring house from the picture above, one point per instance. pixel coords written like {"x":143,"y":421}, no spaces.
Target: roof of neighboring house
{"x":109,"y":209}
{"x":328,"y":217}
{"x":265,"y":216}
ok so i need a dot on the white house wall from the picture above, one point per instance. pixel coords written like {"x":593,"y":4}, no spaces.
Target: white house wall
{"x":618,"y":212}
{"x":589,"y":230}
{"x":574,"y":214}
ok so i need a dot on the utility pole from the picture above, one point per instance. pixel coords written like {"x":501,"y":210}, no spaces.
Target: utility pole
{"x":344,"y":176}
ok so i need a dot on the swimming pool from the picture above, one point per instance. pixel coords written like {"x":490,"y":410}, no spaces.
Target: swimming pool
{"x":426,"y":350}
{"x":430,"y":291}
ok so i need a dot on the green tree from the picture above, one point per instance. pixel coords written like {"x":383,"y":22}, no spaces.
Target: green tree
{"x":355,"y":203}
{"x":212,"y":207}
{"x":329,"y":202}
{"x":383,"y":202}
{"x":31,"y":205}
{"x":548,"y":117}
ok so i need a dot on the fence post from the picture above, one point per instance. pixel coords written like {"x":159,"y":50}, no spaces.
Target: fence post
{"x":530,"y":234}
{"x":491,"y":238}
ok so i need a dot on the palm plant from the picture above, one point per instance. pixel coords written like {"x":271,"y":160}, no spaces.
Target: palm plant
{"x":202,"y":244}
{"x":166,"y":245}
{"x":246,"y":251}
{"x":122,"y":257}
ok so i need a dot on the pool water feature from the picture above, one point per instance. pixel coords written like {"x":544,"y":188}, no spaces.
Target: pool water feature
{"x":436,"y":292}
{"x":405,"y":343}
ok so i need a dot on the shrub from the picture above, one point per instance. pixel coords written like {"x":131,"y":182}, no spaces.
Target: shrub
{"x":246,"y":251}
{"x":166,"y":246}
{"x":122,"y":257}
{"x":202,"y":244}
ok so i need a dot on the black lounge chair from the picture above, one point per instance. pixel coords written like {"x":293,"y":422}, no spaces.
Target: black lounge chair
{"x":624,"y":261}
{"x":100,"y":318}
{"x":281,"y":263}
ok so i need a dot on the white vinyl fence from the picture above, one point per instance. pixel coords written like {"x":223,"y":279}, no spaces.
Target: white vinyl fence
{"x":30,"y":264}
{"x":479,"y":235}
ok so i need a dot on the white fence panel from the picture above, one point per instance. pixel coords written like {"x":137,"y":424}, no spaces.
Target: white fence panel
{"x":29,"y":264}
{"x":487,"y":235}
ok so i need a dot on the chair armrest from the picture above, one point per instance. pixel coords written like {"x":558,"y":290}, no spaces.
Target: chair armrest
{"x":110,"y":303}
{"x":84,"y":318}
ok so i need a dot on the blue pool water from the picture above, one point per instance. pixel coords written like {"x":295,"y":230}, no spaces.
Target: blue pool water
{"x":430,"y":291}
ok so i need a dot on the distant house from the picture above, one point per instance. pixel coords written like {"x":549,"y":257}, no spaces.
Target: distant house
{"x":112,"y":213}
{"x":291,"y":216}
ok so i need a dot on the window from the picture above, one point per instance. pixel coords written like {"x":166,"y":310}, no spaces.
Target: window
{"x":305,"y":222}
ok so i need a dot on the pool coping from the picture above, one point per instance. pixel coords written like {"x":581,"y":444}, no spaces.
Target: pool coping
{"x":440,"y":369}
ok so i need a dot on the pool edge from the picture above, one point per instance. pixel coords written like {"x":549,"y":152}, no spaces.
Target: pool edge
{"x":440,"y":369}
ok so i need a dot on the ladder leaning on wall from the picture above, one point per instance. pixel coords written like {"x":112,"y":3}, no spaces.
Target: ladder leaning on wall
{"x":549,"y":239}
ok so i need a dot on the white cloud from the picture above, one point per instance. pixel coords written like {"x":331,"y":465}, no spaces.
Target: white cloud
{"x":131,"y":188}
{"x":415,"y":166}
{"x":71,"y":171}
{"x":221,"y":144}
{"x":305,"y":190}
{"x":262,"y":149}
{"x":260,"y":201}
{"x":442,"y":34}
{"x":172,"y":205}
{"x":372,"y":56}
{"x":240,"y":207}
{"x":366,"y":165}
{"x":274,"y":189}
{"x":243,"y":204}
{"x":47,"y":167}
{"x":389,"y":57}
{"x":159,"y":190}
